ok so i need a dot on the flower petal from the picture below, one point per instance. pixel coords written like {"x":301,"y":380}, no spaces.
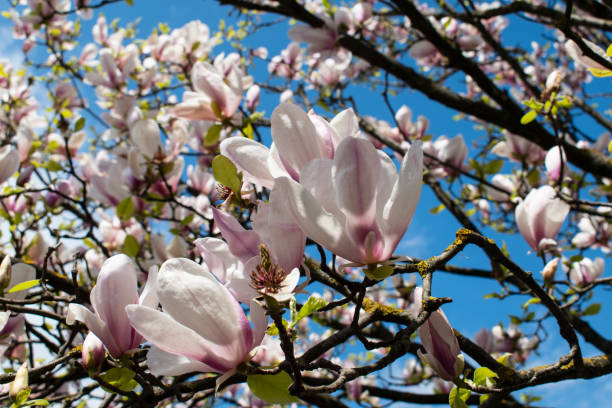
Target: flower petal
{"x":163,"y":363}
{"x":250,"y":157}
{"x":116,"y":288}
{"x":355,"y":173}
{"x":314,"y":220}
{"x":402,"y":202}
{"x":155,"y":326}
{"x":243,"y":243}
{"x":194,"y":298}
{"x":294,"y":136}
{"x":96,"y":325}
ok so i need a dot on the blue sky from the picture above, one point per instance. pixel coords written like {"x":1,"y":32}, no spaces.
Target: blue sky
{"x":428,"y":234}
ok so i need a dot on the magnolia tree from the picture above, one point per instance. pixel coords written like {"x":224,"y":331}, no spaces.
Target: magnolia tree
{"x":170,"y":240}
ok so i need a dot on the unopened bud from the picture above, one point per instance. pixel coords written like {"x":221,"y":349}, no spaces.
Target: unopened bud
{"x":5,"y":273}
{"x":92,"y":353}
{"x":20,"y":382}
{"x":548,"y":273}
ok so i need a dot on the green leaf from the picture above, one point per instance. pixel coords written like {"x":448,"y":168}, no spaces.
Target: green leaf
{"x":530,"y":302}
{"x":120,"y":377}
{"x":533,"y":177}
{"x":36,"y":403}
{"x":437,"y":209}
{"x":130,"y":246}
{"x":313,"y":304}
{"x":22,"y":396}
{"x":378,"y":273}
{"x":505,"y":359}
{"x":248,"y":131}
{"x":53,"y":166}
{"x":187,"y":220}
{"x":130,"y":2}
{"x":273,"y":330}
{"x":592,"y":309}
{"x":457,"y":397}
{"x":24,"y":285}
{"x":494,"y":167}
{"x":212,"y":136}
{"x":125,"y":209}
{"x":484,"y":376}
{"x":528,"y":117}
{"x":80,"y":124}
{"x":273,"y":389}
{"x":225,"y":172}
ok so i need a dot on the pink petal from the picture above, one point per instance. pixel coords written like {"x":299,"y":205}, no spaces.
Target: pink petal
{"x":402,"y":202}
{"x":314,"y":220}
{"x":195,"y":299}
{"x":243,"y":243}
{"x":96,"y":325}
{"x":355,"y":172}
{"x":115,"y":288}
{"x":156,"y":326}
{"x":295,"y":136}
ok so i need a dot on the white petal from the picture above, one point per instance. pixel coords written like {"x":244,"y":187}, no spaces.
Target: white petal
{"x":163,"y":363}
{"x":249,"y":157}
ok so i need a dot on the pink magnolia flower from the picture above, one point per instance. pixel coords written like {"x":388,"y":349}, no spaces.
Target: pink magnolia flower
{"x":539,"y":217}
{"x":115,"y":288}
{"x":575,"y":53}
{"x":297,"y":138}
{"x":355,"y":205}
{"x":209,"y":330}
{"x":9,"y":162}
{"x":318,"y":39}
{"x":440,"y":343}
{"x":595,"y":232}
{"x":13,"y":328}
{"x":451,"y":152}
{"x":586,"y":271}
{"x":210,"y":90}
{"x":92,"y":355}
{"x":517,"y":148}
{"x":236,"y":263}
{"x":556,"y":163}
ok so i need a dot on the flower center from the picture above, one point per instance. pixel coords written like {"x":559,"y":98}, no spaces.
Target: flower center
{"x":267,"y":277}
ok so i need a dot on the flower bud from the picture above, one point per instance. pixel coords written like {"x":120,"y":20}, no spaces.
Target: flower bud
{"x":92,"y":353}
{"x":548,"y":273}
{"x":443,"y":352}
{"x":5,"y":273}
{"x":20,"y":382}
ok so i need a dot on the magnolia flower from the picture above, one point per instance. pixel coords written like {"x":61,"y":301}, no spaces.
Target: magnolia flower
{"x":297,"y":138}
{"x":439,"y":341}
{"x":9,"y":162}
{"x":575,"y":53}
{"x":450,"y":152}
{"x":237,"y":263}
{"x":318,"y":39}
{"x":92,"y":354}
{"x":586,"y":271}
{"x":539,"y":217}
{"x":595,"y":232}
{"x":356,"y":205}
{"x":115,"y":288}
{"x":517,"y":148}
{"x":213,"y":97}
{"x":548,"y":273}
{"x":209,"y":330}
{"x":556,"y":163}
